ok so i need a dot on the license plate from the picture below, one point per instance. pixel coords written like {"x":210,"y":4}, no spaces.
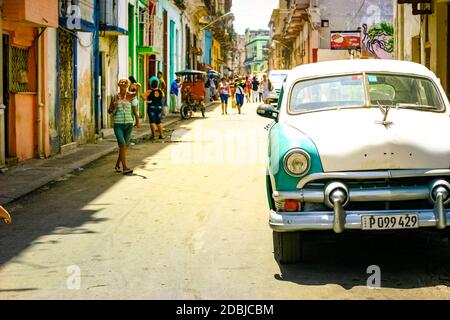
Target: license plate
{"x":390,"y":222}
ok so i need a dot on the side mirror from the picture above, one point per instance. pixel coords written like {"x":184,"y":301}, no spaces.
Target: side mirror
{"x":267,"y":111}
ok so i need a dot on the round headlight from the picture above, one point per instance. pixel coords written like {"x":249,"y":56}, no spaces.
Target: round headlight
{"x":297,"y":162}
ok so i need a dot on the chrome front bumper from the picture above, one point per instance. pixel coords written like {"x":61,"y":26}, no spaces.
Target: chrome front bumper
{"x":324,"y":220}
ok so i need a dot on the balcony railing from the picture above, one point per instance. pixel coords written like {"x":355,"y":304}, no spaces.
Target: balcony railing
{"x":156,"y":29}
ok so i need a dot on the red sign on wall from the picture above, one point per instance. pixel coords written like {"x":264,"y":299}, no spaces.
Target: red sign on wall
{"x":345,"y":40}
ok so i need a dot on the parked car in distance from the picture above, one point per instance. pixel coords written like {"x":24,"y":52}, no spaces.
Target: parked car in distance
{"x":357,"y":145}
{"x":277,"y":78}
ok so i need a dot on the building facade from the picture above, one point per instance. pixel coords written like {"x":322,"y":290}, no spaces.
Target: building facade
{"x":256,"y":46}
{"x":422,"y":35}
{"x":301,"y":30}
{"x":61,"y":62}
{"x":27,"y":85}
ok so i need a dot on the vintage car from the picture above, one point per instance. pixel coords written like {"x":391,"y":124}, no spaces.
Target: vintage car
{"x":357,"y":145}
{"x":277,"y":78}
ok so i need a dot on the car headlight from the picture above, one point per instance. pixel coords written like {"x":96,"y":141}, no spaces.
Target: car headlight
{"x":297,"y":162}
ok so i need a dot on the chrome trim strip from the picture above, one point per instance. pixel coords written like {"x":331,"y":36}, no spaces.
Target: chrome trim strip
{"x":362,"y":175}
{"x":301,"y":221}
{"x":359,"y":195}
{"x":389,"y":194}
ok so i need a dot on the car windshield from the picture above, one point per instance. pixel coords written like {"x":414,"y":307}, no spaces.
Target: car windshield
{"x":345,"y":91}
{"x":330,"y":92}
{"x":403,"y":92}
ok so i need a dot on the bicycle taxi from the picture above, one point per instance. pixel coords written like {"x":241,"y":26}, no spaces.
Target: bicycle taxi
{"x":192,"y":92}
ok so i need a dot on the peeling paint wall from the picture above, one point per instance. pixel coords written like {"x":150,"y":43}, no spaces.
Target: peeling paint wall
{"x":110,"y":71}
{"x":51,"y":91}
{"x":85,"y":129}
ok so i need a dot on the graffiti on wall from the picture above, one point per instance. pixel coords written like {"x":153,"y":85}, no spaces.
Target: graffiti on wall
{"x":377,"y":30}
{"x":378,"y":39}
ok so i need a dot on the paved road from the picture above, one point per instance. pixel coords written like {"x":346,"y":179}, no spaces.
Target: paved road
{"x":191,"y":223}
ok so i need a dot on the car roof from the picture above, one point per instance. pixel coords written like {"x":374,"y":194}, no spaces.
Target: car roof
{"x":357,"y":66}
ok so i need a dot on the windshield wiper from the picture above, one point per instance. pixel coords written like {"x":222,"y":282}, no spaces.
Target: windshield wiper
{"x":415,"y":106}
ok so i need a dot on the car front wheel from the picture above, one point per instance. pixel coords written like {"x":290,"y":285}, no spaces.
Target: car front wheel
{"x":288,"y":247}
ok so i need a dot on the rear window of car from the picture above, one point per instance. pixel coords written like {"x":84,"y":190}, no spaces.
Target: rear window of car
{"x":329,"y":92}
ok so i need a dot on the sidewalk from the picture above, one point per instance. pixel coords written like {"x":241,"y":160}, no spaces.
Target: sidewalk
{"x":32,"y":174}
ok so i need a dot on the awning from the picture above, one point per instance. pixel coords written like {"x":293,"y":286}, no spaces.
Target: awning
{"x":146,"y":51}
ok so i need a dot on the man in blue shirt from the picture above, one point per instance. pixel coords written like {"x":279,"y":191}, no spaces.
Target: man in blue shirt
{"x":174,"y":89}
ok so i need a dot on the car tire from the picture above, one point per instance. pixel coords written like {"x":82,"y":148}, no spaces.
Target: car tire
{"x":447,"y":234}
{"x":288,"y":247}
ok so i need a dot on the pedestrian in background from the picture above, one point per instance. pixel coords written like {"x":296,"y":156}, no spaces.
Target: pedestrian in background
{"x":224,"y":92}
{"x":248,"y":88}
{"x":255,"y":89}
{"x":260,"y":91}
{"x":122,"y":110}
{"x":232,"y":92}
{"x":162,"y":86}
{"x":174,"y":90}
{"x":154,"y":98}
{"x":240,"y":93}
{"x":134,"y":88}
{"x":267,"y":89}
{"x":212,"y":89}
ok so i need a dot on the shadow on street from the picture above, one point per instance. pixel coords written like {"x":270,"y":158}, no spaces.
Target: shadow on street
{"x":406,"y":260}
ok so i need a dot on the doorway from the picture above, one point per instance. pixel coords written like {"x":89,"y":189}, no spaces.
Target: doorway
{"x":5,"y":92}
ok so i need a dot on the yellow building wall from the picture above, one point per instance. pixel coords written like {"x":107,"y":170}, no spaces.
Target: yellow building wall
{"x":216,"y":55}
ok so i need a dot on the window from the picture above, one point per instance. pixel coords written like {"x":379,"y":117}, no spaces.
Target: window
{"x":331,"y":92}
{"x":404,"y":92}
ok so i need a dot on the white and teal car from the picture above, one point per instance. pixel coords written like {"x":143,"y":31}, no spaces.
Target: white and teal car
{"x":357,"y":145}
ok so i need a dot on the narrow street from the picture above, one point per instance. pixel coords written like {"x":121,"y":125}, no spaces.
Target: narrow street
{"x":192,"y":223}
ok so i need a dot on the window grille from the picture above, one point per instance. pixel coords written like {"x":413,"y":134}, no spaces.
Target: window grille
{"x":18,"y":73}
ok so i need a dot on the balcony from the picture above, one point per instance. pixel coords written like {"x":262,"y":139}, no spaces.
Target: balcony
{"x":153,"y":42}
{"x":296,"y":19}
{"x":42,"y":13}
{"x":112,"y":17}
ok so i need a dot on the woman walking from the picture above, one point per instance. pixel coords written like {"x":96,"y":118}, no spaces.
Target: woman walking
{"x":134,"y":88}
{"x":232,"y":92}
{"x":239,"y":94}
{"x":122,"y":110}
{"x":154,"y":98}
{"x":260,"y":92}
{"x":248,"y":89}
{"x":266,"y":88}
{"x":224,"y":92}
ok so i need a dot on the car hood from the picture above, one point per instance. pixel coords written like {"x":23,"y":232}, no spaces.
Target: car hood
{"x":354,"y":139}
